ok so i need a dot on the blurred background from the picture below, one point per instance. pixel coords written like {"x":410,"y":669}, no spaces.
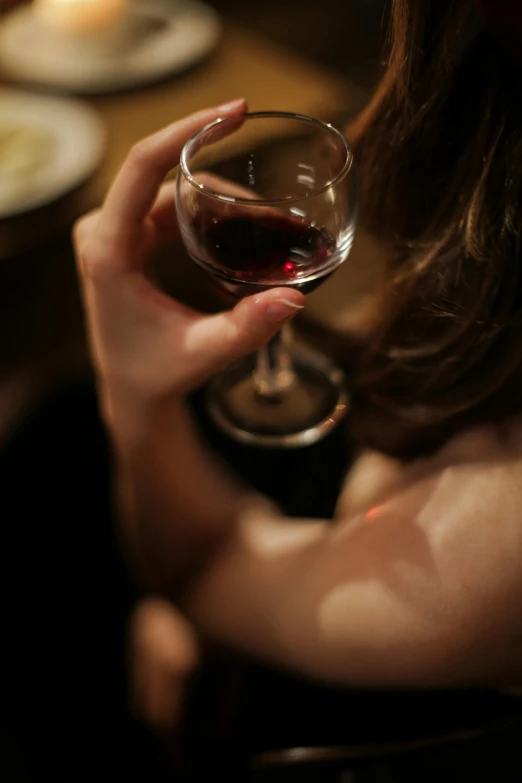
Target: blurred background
{"x":320,"y":58}
{"x":343,"y":35}
{"x":80,"y":82}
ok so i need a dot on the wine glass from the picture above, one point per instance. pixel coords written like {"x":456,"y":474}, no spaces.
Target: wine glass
{"x":264,"y":200}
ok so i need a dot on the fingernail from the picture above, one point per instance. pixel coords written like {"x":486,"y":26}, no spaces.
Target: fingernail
{"x":232,"y":105}
{"x":282,"y":310}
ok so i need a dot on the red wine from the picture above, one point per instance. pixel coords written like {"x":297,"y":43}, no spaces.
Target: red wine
{"x":246,"y":255}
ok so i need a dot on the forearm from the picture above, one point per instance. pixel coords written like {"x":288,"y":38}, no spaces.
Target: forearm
{"x":178,"y":502}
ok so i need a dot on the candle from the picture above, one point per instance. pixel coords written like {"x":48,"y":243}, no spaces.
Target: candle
{"x":81,"y":17}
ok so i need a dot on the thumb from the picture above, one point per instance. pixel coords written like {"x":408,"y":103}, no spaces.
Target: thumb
{"x":219,"y":339}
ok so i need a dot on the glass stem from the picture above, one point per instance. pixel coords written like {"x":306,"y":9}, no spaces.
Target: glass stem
{"x":274,"y":374}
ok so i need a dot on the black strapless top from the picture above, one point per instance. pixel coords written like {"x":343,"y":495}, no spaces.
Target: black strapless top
{"x":274,"y":709}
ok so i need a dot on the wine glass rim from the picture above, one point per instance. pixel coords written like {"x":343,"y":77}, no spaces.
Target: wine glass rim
{"x":345,"y":168}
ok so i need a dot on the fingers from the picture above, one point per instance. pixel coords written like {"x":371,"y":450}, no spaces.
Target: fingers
{"x":225,"y":187}
{"x":136,"y":186}
{"x":83,"y":230}
{"x":216,"y":340}
{"x":163,"y":214}
{"x":164,"y":652}
{"x":163,"y":227}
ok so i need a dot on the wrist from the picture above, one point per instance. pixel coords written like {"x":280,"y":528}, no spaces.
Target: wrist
{"x":131,"y":417}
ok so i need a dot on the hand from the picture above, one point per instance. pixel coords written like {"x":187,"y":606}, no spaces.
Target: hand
{"x":145,"y":345}
{"x":164,"y":653}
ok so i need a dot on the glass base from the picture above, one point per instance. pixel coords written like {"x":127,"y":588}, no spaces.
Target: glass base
{"x":302,"y":415}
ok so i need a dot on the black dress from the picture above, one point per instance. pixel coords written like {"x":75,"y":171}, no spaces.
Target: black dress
{"x":66,"y":598}
{"x":457,"y":735}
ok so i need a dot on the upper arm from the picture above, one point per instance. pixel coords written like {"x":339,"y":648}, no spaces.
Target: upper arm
{"x":423,"y":593}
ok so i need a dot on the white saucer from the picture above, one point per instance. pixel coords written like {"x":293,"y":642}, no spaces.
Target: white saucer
{"x":75,"y":137}
{"x":170,"y":35}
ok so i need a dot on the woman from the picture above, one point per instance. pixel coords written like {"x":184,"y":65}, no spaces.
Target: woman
{"x":418,"y":583}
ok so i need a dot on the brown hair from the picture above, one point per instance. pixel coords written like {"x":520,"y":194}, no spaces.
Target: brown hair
{"x":439,"y":153}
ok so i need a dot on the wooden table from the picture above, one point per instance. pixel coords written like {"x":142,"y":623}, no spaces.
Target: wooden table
{"x":41,"y":336}
{"x":244,"y":65}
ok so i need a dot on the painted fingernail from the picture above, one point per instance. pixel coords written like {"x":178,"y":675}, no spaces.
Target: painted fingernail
{"x":282,"y":310}
{"x":232,"y":105}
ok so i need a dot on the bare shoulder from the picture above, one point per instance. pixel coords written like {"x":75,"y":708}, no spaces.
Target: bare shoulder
{"x":419,"y":581}
{"x":473,"y":483}
{"x":468,"y":497}
{"x":447,"y":539}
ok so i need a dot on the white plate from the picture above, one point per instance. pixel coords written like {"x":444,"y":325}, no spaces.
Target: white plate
{"x":180,"y":33}
{"x":77,"y":142}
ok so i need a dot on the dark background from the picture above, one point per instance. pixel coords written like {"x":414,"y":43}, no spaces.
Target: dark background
{"x":345,"y":35}
{"x":65,"y":595}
